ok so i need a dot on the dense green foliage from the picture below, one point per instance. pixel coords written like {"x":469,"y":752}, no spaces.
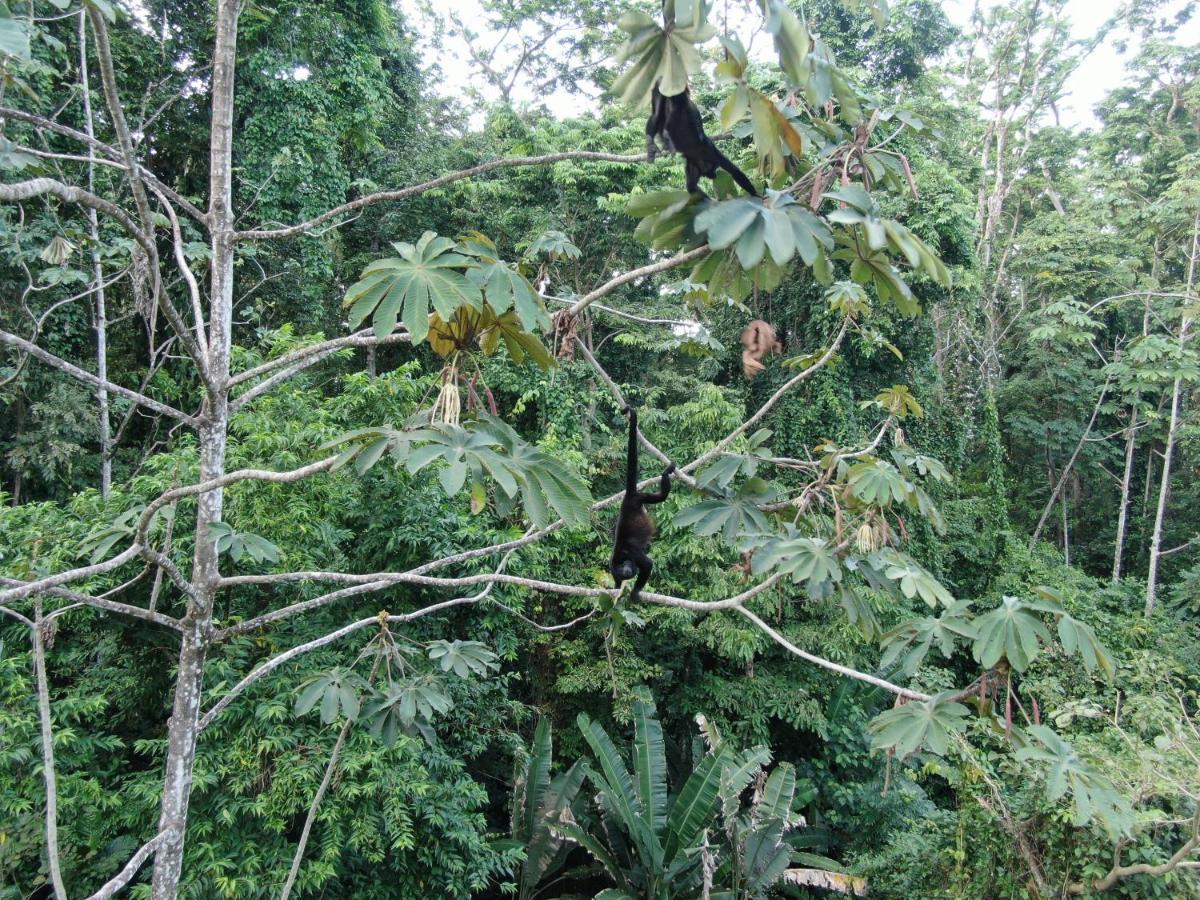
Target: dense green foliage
{"x":963,"y":502}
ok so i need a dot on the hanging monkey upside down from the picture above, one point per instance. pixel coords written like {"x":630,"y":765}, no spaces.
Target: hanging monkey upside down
{"x":758,"y":340}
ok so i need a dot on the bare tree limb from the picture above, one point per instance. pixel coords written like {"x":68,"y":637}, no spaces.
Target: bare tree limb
{"x":364,"y":338}
{"x":414,"y":190}
{"x":1119,"y":872}
{"x":108,"y":150}
{"x":88,"y":378}
{"x":122,"y":878}
{"x":288,"y":655}
{"x":41,"y":585}
{"x":124,"y":609}
{"x":634,"y":274}
{"x":311,"y":359}
{"x":48,"y":771}
{"x":828,"y":664}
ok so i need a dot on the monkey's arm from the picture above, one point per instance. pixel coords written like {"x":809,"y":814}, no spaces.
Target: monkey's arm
{"x":631,"y":459}
{"x":664,"y":487}
{"x":655,"y":124}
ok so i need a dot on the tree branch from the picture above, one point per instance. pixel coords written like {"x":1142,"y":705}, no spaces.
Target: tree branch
{"x":364,"y":338}
{"x":827,"y":664}
{"x":1118,"y":871}
{"x":633,"y":275}
{"x":126,"y":874}
{"x":48,"y":771}
{"x":88,"y":378}
{"x":112,"y":606}
{"x":108,"y":150}
{"x":414,"y":190}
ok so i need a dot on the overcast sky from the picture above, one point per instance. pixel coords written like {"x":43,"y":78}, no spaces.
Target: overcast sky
{"x":1099,"y":73}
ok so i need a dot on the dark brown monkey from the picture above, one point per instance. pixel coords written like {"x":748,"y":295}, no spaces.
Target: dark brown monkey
{"x":676,"y":122}
{"x":635,"y":528}
{"x":758,"y":340}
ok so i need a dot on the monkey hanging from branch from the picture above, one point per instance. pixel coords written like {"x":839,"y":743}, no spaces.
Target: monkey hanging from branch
{"x":758,"y":340}
{"x":676,"y":122}
{"x":635,"y":528}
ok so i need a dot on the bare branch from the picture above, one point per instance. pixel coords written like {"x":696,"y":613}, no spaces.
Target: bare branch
{"x":88,"y":378}
{"x":828,"y":664}
{"x":126,"y":874}
{"x":288,"y":655}
{"x":414,"y":190}
{"x":102,"y":602}
{"x":364,"y":338}
{"x":773,"y":399}
{"x":48,"y":772}
{"x":108,"y":150}
{"x":1118,"y":871}
{"x":633,"y":275}
{"x":36,"y":187}
{"x":42,"y":585}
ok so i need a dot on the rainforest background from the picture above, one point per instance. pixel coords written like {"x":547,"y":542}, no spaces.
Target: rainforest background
{"x":978,"y":508}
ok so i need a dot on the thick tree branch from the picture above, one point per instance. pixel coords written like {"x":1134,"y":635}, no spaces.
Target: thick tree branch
{"x":828,"y":664}
{"x":49,"y":775}
{"x":122,"y":878}
{"x":124,"y":609}
{"x":88,"y":378}
{"x":414,"y":190}
{"x":633,"y":275}
{"x":108,"y":150}
{"x":42,"y":585}
{"x":364,"y":338}
{"x":36,"y":187}
{"x":1118,"y":872}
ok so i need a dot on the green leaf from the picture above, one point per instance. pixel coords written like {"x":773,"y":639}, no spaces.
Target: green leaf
{"x":649,"y":761}
{"x":1095,"y":797}
{"x":406,"y":286}
{"x":1011,"y":631}
{"x":918,"y":725}
{"x":692,"y":812}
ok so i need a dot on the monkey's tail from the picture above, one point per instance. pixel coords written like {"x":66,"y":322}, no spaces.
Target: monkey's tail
{"x":738,"y":175}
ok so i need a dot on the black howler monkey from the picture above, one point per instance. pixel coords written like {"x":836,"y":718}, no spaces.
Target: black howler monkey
{"x":676,"y":121}
{"x":635,"y":528}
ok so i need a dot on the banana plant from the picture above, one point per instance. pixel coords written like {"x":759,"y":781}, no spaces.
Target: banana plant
{"x":539,"y":802}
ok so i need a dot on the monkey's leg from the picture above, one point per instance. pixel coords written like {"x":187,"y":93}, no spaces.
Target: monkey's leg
{"x":645,"y":567}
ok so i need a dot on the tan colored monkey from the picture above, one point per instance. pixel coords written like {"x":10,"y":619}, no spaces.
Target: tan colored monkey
{"x":758,"y":340}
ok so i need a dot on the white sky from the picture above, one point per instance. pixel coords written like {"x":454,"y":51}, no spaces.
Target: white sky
{"x":1102,"y":71}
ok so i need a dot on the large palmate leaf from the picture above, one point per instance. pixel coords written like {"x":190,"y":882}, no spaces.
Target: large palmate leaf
{"x":1094,"y":796}
{"x":427,"y":274}
{"x":918,"y":725}
{"x":658,"y":55}
{"x":335,"y":690}
{"x":809,"y":560}
{"x":755,"y":226}
{"x":728,"y":517}
{"x":1012,"y":631}
{"x":505,"y":288}
{"x":911,"y":642}
{"x":913,"y":580}
{"x":408,"y":708}
{"x":666,"y":218}
{"x":491,"y":448}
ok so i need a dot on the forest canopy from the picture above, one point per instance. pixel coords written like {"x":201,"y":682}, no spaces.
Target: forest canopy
{"x":772,"y":477}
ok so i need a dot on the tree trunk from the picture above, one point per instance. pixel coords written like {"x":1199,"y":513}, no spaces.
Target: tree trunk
{"x":1164,"y":488}
{"x":1126,"y":480}
{"x":100,"y":313}
{"x":1062,"y":479}
{"x":182,"y":731}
